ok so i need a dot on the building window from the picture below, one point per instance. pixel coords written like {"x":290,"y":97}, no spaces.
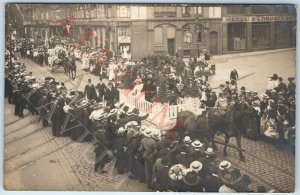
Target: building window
{"x":237,"y":36}
{"x":198,"y":10}
{"x":165,"y":11}
{"x":101,"y":11}
{"x":261,"y":35}
{"x":215,"y":12}
{"x":109,"y":11}
{"x":187,"y":11}
{"x":237,"y":10}
{"x":187,"y":36}
{"x":123,"y":11}
{"x":158,"y":36}
{"x":261,"y":9}
{"x":199,"y":37}
{"x":93,"y":8}
{"x":283,"y":34}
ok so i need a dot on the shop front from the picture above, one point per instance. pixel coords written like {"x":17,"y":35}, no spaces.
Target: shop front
{"x":251,"y":33}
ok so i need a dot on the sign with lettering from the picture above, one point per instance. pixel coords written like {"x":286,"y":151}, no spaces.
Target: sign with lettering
{"x":232,"y":19}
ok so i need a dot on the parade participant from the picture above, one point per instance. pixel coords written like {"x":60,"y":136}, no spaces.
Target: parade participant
{"x":101,"y":90}
{"x":148,"y":148}
{"x":109,"y":95}
{"x":90,"y":91}
{"x":222,"y":103}
{"x":234,"y":75}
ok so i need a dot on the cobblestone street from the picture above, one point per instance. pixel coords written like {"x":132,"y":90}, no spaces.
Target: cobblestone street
{"x":32,"y":150}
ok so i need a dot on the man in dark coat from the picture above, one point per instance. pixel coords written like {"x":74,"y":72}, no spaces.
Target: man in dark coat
{"x":90,"y":90}
{"x":234,"y":75}
{"x":101,"y":90}
{"x":281,"y":86}
{"x":110,"y":95}
{"x":160,"y":174}
{"x":148,"y":148}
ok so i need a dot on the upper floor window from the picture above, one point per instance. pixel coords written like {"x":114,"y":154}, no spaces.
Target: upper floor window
{"x":236,"y":10}
{"x":93,"y":8}
{"x":198,"y":10}
{"x":165,"y":11}
{"x":187,"y":10}
{"x":123,"y":11}
{"x":109,"y":11}
{"x":158,"y":36}
{"x":261,"y":9}
{"x":215,"y":12}
{"x":101,"y":11}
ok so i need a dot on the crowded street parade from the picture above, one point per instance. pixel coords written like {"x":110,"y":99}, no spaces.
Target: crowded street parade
{"x":167,"y":122}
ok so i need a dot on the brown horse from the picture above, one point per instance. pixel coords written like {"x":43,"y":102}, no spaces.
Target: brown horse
{"x":205,"y":127}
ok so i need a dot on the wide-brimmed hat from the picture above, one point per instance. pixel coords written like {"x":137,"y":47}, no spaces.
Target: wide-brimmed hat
{"x":112,"y":112}
{"x":176,"y":172}
{"x":191,"y":178}
{"x":209,"y":151}
{"x":131,"y":125}
{"x":155,"y":135}
{"x":196,"y":166}
{"x":121,"y":130}
{"x":143,"y":128}
{"x":224,"y":165}
{"x":197,"y":144}
{"x":187,"y":139}
{"x":231,"y":177}
{"x":147,"y":132}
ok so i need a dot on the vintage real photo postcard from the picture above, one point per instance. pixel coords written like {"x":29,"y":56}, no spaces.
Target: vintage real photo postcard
{"x":150,"y":97}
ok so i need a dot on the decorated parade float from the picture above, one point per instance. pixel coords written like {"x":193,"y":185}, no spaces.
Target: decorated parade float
{"x":163,"y":86}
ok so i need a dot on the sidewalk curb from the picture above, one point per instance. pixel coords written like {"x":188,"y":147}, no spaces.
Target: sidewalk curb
{"x":244,"y":54}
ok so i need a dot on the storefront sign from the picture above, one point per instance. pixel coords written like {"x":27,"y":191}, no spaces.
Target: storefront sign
{"x":232,"y":19}
{"x":120,"y":23}
{"x":123,"y":39}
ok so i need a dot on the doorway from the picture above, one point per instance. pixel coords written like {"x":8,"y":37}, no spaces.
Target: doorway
{"x":171,"y":47}
{"x":213,"y":42}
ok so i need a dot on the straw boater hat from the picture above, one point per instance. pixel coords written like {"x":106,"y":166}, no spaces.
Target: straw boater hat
{"x":187,"y":139}
{"x":224,"y":165}
{"x":143,"y":128}
{"x":197,"y":144}
{"x":147,"y":132}
{"x":196,"y":166}
{"x":209,"y":151}
{"x":131,"y":125}
{"x":121,"y":130}
{"x":112,"y":112}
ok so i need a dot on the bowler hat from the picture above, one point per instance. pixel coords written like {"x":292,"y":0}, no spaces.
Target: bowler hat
{"x":191,"y":178}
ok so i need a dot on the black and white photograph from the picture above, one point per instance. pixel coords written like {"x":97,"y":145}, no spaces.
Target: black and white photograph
{"x":149,"y":97}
